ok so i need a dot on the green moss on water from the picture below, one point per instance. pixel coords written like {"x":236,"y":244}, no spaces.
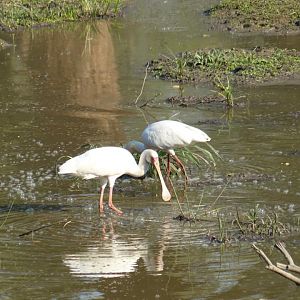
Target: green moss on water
{"x":258,"y":15}
{"x":239,"y":65}
{"x":27,"y":13}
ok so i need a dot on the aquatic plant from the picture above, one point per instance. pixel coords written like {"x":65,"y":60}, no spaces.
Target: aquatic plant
{"x":251,"y":225}
{"x":257,"y":222}
{"x":223,"y":234}
{"x":195,"y":156}
{"x":24,"y":13}
{"x":238,"y":65}
{"x":225,"y":91}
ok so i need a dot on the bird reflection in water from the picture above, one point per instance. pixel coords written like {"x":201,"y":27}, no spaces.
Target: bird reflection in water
{"x":116,"y":256}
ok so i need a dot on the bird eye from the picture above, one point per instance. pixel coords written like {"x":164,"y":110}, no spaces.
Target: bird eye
{"x":154,"y":159}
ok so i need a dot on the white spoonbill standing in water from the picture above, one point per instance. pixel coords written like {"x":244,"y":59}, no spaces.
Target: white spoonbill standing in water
{"x":109,"y":163}
{"x":167,"y":135}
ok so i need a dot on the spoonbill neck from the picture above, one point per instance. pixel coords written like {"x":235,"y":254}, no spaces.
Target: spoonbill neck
{"x":143,"y":165}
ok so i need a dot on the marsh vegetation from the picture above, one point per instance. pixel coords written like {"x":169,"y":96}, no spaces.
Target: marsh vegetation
{"x":255,"y":15}
{"x":243,"y":66}
{"x":18,"y":14}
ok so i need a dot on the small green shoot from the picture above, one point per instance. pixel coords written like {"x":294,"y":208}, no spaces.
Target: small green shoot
{"x":225,"y":91}
{"x":223,"y":235}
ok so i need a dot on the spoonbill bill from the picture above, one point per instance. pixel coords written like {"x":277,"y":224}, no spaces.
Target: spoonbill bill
{"x":109,"y":163}
{"x":167,"y":135}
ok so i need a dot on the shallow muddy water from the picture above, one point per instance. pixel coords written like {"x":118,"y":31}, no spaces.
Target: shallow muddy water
{"x":72,"y":85}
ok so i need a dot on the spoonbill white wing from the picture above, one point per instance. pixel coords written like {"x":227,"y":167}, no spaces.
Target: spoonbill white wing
{"x":168,"y":134}
{"x":105,"y":161}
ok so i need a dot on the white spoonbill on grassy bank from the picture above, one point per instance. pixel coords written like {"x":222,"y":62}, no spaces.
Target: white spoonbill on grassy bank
{"x":168,"y":135}
{"x":109,"y":163}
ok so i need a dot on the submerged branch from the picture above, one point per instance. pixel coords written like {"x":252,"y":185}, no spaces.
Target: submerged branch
{"x":291,"y":266}
{"x":143,"y":85}
{"x":272,"y":267}
{"x":44,"y":226}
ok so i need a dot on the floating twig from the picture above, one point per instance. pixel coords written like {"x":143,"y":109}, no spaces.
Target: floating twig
{"x":67,"y":223}
{"x":42,"y":227}
{"x":34,"y":230}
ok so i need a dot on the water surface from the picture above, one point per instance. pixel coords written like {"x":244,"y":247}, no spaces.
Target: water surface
{"x":67,"y":86}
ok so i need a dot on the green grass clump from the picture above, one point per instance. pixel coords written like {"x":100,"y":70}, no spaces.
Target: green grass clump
{"x":194,"y":156}
{"x":239,"y":65}
{"x":24,"y":13}
{"x":253,"y":223}
{"x":249,"y":225}
{"x":259,"y":15}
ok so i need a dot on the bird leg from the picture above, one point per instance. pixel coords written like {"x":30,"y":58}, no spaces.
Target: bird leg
{"x":181,"y":167}
{"x":168,"y":167}
{"x":168,"y":171}
{"x":101,"y":199}
{"x":110,"y":203}
{"x":178,"y":161}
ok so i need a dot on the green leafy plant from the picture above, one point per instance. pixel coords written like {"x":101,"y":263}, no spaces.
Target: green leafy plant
{"x":225,"y":91}
{"x":264,"y":224}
